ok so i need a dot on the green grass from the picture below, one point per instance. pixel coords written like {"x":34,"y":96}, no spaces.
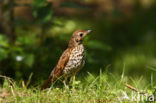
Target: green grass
{"x":90,"y":89}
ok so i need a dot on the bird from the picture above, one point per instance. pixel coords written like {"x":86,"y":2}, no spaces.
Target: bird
{"x":71,"y":61}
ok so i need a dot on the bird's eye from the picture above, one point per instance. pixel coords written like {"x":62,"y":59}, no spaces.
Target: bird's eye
{"x":81,"y":34}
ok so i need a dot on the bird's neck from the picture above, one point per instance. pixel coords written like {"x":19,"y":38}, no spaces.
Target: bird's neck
{"x":73,"y":44}
{"x":79,"y":48}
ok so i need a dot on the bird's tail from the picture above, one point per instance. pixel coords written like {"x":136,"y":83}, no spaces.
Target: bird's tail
{"x":47,"y":83}
{"x":52,"y":78}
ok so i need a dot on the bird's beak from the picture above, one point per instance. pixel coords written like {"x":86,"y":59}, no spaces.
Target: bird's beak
{"x":87,"y":32}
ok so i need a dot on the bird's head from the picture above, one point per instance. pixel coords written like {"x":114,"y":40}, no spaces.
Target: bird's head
{"x":78,"y":37}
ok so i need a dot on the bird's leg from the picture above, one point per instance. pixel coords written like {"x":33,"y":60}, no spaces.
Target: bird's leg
{"x":64,"y":82}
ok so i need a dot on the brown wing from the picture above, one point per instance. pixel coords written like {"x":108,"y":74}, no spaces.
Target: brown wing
{"x":58,"y":70}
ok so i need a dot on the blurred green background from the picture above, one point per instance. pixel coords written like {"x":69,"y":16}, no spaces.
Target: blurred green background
{"x":34,"y":33}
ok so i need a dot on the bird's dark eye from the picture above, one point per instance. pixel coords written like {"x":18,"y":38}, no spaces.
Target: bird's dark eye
{"x":81,"y":34}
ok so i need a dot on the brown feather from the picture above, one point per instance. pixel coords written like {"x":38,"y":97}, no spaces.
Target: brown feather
{"x":57,"y":71}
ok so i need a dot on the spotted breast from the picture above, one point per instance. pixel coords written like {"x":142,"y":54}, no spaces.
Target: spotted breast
{"x":76,"y":61}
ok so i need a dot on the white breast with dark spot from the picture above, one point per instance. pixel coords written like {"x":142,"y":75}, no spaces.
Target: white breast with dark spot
{"x":76,"y":61}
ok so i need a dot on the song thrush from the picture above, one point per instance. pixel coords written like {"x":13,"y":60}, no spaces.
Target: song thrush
{"x":71,"y":61}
